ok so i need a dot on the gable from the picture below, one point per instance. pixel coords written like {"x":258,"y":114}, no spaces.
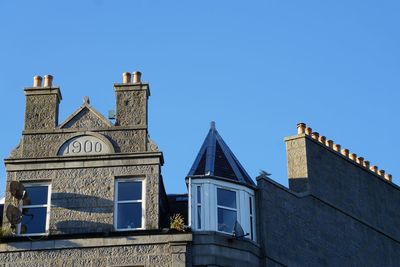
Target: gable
{"x":85,"y":118}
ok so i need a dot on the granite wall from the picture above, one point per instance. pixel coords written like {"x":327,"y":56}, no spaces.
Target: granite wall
{"x":304,"y":230}
{"x":139,"y":250}
{"x":343,"y":183}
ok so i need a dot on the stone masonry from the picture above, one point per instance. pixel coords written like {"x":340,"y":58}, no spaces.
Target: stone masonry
{"x":337,"y":211}
{"x":82,"y":158}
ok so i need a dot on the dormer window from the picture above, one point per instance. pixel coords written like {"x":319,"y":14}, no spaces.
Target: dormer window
{"x":129,"y":204}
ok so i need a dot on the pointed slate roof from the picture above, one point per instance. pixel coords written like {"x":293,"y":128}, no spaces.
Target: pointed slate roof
{"x":216,"y":159}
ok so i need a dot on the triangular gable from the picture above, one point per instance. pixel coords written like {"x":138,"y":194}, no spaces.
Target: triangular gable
{"x":216,"y":159}
{"x":85,"y":117}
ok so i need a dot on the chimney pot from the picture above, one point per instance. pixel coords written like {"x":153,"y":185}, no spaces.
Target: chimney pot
{"x":301,"y":128}
{"x":353,"y":156}
{"x":126,"y":77}
{"x":315,"y":135}
{"x":373,"y":168}
{"x":322,"y":139}
{"x":48,"y":81}
{"x":360,"y":160}
{"x":137,"y":75}
{"x":388,"y":177}
{"x":329,"y":143}
{"x":37,"y":81}
{"x":381,"y":173}
{"x":308,"y":131}
{"x":366,"y":164}
{"x":336,"y":147}
{"x":345,"y":152}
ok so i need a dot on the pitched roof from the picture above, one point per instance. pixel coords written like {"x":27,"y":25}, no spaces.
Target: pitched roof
{"x":216,"y":159}
{"x":85,"y":117}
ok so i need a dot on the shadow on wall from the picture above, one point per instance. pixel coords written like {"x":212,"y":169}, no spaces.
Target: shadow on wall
{"x":298,"y":185}
{"x":78,"y":226}
{"x":82,"y":203}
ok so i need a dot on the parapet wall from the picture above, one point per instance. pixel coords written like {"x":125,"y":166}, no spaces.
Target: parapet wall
{"x":343,"y":180}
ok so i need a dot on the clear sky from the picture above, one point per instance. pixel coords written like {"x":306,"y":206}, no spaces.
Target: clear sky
{"x":255,"y":67}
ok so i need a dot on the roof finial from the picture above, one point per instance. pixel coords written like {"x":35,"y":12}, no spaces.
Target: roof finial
{"x":212,"y":125}
{"x":86,"y":100}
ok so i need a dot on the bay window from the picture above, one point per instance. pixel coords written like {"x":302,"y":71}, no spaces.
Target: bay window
{"x":217,"y":205}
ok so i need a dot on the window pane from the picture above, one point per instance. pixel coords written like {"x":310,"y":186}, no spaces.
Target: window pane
{"x":33,"y":220}
{"x":198,"y":194}
{"x":226,"y":198}
{"x":129,"y":190}
{"x":198,"y":217}
{"x":251,"y":228}
{"x":36,"y":195}
{"x":226,"y":220}
{"x":251,"y":205}
{"x":129,"y":215}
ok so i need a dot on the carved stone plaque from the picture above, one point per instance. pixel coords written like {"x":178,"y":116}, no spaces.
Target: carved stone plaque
{"x":85,"y":145}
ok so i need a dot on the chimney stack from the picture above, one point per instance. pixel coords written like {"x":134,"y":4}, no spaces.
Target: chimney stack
{"x":42,"y":103}
{"x":131,"y":96}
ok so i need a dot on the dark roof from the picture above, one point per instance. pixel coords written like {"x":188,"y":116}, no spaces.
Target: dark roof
{"x":217,"y":160}
{"x":179,"y":205}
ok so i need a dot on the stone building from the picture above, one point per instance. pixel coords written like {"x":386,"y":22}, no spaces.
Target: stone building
{"x":93,"y":195}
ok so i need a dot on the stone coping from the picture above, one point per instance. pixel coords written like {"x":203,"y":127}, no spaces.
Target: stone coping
{"x":70,"y":243}
{"x":68,"y":130}
{"x":85,"y":157}
{"x":87,"y":161}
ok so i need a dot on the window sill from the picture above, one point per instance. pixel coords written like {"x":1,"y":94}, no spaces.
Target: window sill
{"x":128,"y":229}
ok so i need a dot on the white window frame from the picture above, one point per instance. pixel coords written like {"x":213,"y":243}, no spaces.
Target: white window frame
{"x":209,"y":210}
{"x":226,"y":208}
{"x":116,"y":202}
{"x":251,"y":217}
{"x":47,"y":206}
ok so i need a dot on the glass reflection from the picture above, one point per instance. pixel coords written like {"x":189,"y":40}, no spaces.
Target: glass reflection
{"x":33,"y":221}
{"x":129,"y":215}
{"x":226,"y":198}
{"x":129,"y":191}
{"x":226,"y":220}
{"x":36,"y":195}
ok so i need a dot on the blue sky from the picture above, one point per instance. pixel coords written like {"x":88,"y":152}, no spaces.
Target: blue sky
{"x":255,"y":67}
